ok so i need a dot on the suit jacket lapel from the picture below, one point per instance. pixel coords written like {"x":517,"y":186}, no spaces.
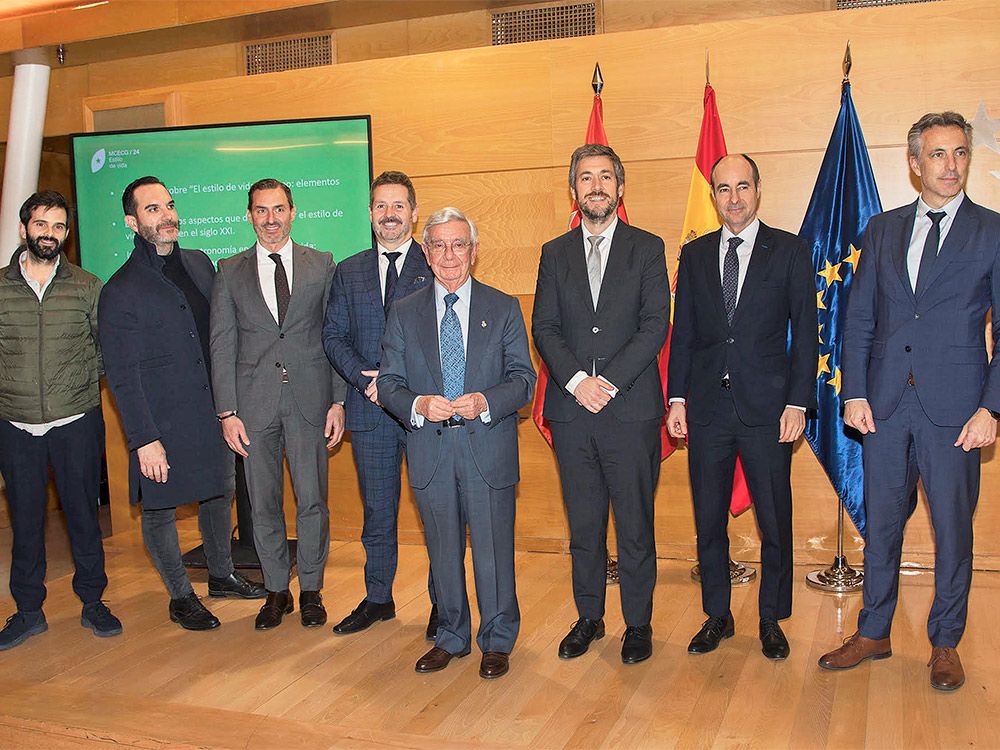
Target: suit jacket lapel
{"x":710,"y":267}
{"x":372,"y":279}
{"x":427,"y":334}
{"x":415,"y":270}
{"x":904,"y":230}
{"x":759,"y":259}
{"x":302,"y":271}
{"x":958,"y":237}
{"x":576,"y":265}
{"x":248,"y":278}
{"x":480,"y":322}
{"x":619,"y":255}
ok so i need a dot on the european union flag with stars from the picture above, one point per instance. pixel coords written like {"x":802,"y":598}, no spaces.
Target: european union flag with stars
{"x":844,"y":198}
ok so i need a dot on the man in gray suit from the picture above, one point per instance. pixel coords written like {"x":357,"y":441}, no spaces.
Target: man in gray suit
{"x":275,"y":389}
{"x":455,"y":370}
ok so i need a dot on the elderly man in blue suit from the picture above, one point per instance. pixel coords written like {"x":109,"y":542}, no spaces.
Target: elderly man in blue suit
{"x":455,"y":370}
{"x":365,"y":286}
{"x":920,"y":389}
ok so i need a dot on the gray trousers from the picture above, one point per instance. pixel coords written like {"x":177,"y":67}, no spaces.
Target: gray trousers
{"x":457,"y":497}
{"x":159,"y":532}
{"x":305,"y":447}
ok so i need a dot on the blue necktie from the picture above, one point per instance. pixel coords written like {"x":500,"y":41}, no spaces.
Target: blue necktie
{"x":452,"y":350}
{"x":731,"y":278}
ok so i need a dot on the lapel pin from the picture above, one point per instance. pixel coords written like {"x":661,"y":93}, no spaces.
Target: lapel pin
{"x":419,"y":279}
{"x":483,"y":324}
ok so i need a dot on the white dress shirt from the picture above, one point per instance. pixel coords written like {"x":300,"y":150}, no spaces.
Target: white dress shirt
{"x":39,"y":289}
{"x":922,"y":225}
{"x":461,"y":308}
{"x":604,"y":250}
{"x":383,"y":263}
{"x":266,"y":270}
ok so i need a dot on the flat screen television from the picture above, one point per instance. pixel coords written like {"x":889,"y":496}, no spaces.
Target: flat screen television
{"x":327,"y":163}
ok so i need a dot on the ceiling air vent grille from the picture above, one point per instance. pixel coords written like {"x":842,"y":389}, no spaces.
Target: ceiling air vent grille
{"x":851,"y":4}
{"x":548,"y":22}
{"x":289,"y":54}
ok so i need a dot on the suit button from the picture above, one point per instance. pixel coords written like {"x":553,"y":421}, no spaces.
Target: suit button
{"x":908,"y":349}
{"x":278,"y":365}
{"x":730,"y":341}
{"x":204,"y":387}
{"x":378,"y":365}
{"x":595,"y":329}
{"x":439,"y":432}
{"x":184,"y":307}
{"x":916,"y":316}
{"x":281,"y":335}
{"x":198,"y":362}
{"x":191,"y":334}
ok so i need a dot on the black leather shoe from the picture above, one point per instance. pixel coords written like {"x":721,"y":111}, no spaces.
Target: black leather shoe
{"x":494,"y":664}
{"x":773,"y":643}
{"x":432,"y":624}
{"x":235,"y":585}
{"x":637,"y":644}
{"x":577,"y":641}
{"x":277,"y":605}
{"x":364,"y":616}
{"x":190,"y":614}
{"x":437,"y":659}
{"x":311,"y":609}
{"x":711,"y":634}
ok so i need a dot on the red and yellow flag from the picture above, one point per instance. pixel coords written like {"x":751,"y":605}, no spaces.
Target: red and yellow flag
{"x":701,"y":218}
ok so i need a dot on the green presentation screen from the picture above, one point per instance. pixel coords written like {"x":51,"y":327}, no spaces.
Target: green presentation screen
{"x":327,"y":163}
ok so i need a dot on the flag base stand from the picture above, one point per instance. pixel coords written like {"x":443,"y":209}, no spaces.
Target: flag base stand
{"x":612,"y":578}
{"x":839,"y":578}
{"x":739,"y":574}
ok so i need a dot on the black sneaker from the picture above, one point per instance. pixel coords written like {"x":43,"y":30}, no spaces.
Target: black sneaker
{"x":20,"y":627}
{"x":98,"y":618}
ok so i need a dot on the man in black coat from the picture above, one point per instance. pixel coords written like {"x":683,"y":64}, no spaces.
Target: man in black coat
{"x":737,"y":387}
{"x":154,"y":322}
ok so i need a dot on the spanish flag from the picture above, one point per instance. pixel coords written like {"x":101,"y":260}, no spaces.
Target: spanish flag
{"x":701,"y":218}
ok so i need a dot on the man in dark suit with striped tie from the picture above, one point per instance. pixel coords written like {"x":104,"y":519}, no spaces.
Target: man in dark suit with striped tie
{"x":364,"y":288}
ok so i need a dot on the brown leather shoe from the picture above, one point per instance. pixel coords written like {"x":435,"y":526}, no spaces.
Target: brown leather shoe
{"x":855,"y":650}
{"x":311,"y":609}
{"x":494,"y":664}
{"x":946,"y":669}
{"x":277,"y":605}
{"x":437,"y":659}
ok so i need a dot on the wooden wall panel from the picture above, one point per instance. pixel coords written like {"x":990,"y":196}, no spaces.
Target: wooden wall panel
{"x":371,"y":42}
{"x":166,"y":68}
{"x":628,"y":15}
{"x":458,"y":31}
{"x":491,"y":130}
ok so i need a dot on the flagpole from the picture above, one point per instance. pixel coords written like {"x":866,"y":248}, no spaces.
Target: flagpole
{"x":839,"y":578}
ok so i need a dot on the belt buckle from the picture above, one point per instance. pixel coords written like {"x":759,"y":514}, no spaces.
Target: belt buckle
{"x":727,"y":384}
{"x":459,"y":422}
{"x":910,"y":380}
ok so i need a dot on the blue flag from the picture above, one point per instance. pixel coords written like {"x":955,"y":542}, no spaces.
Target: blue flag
{"x":844,"y":198}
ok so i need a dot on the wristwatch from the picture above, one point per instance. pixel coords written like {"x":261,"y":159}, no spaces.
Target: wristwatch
{"x":994,"y":414}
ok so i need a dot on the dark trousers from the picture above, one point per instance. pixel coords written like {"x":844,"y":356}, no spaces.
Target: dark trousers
{"x":712,"y":450}
{"x":904,"y":447}
{"x":602,"y":461}
{"x":159,"y":532}
{"x":378,"y":455}
{"x":458,"y":497}
{"x":74,"y":452}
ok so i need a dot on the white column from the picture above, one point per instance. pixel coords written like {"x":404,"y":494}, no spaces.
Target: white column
{"x":24,"y":142}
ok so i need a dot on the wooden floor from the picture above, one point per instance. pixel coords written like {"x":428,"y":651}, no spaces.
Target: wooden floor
{"x":157,"y":686}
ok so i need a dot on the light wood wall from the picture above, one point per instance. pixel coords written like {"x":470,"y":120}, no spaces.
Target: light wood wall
{"x":491,"y":130}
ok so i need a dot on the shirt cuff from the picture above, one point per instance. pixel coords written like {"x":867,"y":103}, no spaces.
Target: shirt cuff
{"x":793,"y":406}
{"x":614,"y":388}
{"x":485,"y":414}
{"x":575,"y":381}
{"x":417,"y":420}
{"x":681,"y":401}
{"x":847,"y":401}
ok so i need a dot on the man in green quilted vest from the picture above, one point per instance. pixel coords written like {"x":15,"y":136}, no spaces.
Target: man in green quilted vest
{"x":50,"y":415}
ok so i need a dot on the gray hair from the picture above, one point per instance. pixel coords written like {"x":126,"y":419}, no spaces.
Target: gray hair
{"x":935,"y":120}
{"x":595,"y":149}
{"x":443,"y":216}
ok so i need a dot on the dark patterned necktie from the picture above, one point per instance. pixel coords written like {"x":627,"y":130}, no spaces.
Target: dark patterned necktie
{"x":931,"y":245}
{"x":452,"y":350}
{"x":731,"y":278}
{"x":391,"y":277}
{"x":281,"y":291}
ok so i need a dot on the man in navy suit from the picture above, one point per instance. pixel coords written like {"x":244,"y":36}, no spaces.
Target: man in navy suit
{"x":602,"y":309}
{"x":918,"y":385}
{"x":365,"y":286}
{"x":455,"y":370}
{"x":736,"y":386}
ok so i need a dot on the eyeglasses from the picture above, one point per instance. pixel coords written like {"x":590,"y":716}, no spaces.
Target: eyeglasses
{"x":459,"y":247}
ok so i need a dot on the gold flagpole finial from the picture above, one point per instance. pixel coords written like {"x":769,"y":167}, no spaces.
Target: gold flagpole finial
{"x":847,"y":63}
{"x":707,"y":82}
{"x":598,"y":82}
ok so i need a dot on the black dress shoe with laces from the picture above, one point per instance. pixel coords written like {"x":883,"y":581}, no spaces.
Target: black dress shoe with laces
{"x":711,"y":634}
{"x":637,"y":644}
{"x":578,"y":640}
{"x":773,"y":643}
{"x":311,"y":609}
{"x":364,"y":616}
{"x":235,"y":585}
{"x":277,"y":605}
{"x":432,"y":624}
{"x":190,"y":613}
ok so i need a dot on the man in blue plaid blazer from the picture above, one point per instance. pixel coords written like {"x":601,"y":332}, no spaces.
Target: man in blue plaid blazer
{"x":364,"y":288}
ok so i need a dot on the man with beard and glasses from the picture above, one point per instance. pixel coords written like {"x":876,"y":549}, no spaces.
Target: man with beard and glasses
{"x":154,"y":333}
{"x":602,"y":309}
{"x":276,"y":392}
{"x":50,"y":415}
{"x":365,"y":286}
